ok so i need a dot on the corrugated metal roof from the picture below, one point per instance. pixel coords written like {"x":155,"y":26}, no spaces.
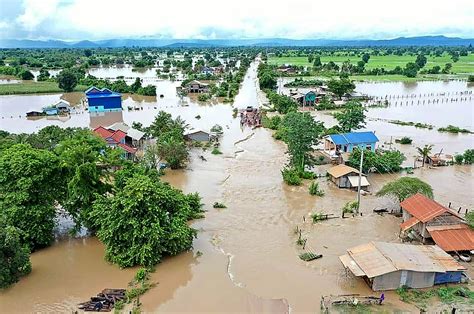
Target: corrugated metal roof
{"x":453,"y":238}
{"x":128,"y":148}
{"x":103,"y":132}
{"x":409,"y":223}
{"x":354,"y":138}
{"x":348,"y":262}
{"x":341,"y":170}
{"x":423,"y":208}
{"x":354,"y":180}
{"x":379,"y":258}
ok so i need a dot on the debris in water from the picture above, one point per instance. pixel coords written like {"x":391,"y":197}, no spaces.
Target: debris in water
{"x":308,"y":256}
{"x":104,"y":301}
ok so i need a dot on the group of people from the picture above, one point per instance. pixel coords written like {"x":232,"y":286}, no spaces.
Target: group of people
{"x":251,"y":117}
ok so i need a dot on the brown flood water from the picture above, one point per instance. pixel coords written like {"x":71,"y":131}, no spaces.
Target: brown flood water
{"x":249,"y":260}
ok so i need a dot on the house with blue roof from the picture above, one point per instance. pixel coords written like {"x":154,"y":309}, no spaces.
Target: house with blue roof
{"x":100,"y":100}
{"x":337,"y":144}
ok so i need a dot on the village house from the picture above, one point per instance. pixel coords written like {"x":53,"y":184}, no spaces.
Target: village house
{"x":347,"y":177}
{"x":103,"y":100}
{"x":336,"y":144}
{"x":197,"y":87}
{"x":426,"y":219}
{"x":137,"y":137}
{"x":207,"y":70}
{"x":117,"y":138}
{"x":197,"y":136}
{"x":389,"y":266}
{"x":63,"y":106}
{"x":309,"y":98}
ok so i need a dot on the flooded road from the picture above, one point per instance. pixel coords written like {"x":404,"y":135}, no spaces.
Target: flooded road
{"x":245,"y":258}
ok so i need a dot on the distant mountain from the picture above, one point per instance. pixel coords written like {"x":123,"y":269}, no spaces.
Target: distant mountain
{"x":265,"y":42}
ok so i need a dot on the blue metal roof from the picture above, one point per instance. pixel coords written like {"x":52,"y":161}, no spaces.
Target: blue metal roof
{"x":108,"y":95}
{"x":94,"y":92}
{"x":354,"y":138}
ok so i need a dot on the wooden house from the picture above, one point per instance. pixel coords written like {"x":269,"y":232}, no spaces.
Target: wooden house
{"x":197,"y":87}
{"x":347,"y":177}
{"x":336,"y":144}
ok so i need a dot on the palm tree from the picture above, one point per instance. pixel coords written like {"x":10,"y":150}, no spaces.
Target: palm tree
{"x":424,"y":152}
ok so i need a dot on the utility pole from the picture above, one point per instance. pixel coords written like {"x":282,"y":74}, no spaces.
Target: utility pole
{"x":360,"y":179}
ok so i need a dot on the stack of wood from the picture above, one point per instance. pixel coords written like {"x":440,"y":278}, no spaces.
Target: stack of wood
{"x":103,"y":301}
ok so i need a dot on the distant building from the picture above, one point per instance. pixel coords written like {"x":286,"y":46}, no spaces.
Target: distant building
{"x":104,"y":99}
{"x":63,"y":106}
{"x":207,"y":71}
{"x":137,"y":137}
{"x":306,"y":99}
{"x":347,"y":177}
{"x":428,"y":219}
{"x":336,"y":144}
{"x":197,"y":87}
{"x":197,"y":136}
{"x":389,"y":266}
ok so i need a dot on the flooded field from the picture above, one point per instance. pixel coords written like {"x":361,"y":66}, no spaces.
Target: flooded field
{"x":248,"y":258}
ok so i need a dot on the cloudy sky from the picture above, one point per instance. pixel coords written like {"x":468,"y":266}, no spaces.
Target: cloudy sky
{"x":203,"y":19}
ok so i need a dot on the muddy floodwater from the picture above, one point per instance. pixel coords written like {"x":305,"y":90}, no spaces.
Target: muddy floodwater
{"x":245,"y":258}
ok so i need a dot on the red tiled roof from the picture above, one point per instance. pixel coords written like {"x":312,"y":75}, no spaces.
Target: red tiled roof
{"x":423,"y":208}
{"x":127,"y":148}
{"x":118,"y":135}
{"x":453,"y":238}
{"x":103,"y":132}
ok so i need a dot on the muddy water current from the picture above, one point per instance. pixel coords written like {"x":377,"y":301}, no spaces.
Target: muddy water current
{"x":245,"y":258}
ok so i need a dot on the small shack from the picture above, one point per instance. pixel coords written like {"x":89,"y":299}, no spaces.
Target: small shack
{"x":347,"y":177}
{"x":197,"y":87}
{"x":428,"y":219}
{"x":63,"y":106}
{"x":389,"y":266}
{"x":197,"y":136}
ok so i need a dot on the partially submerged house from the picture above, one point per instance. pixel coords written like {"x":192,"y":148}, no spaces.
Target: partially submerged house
{"x":389,"y":266}
{"x":309,"y":98}
{"x":102,"y":100}
{"x":117,"y":139}
{"x":336,"y":144}
{"x":196,"y":87}
{"x":197,"y":136}
{"x":137,"y":137}
{"x":347,"y":177}
{"x":427,"y":219}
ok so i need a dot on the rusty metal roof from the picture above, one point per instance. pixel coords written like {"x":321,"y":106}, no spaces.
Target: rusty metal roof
{"x":379,"y":258}
{"x":409,"y":223}
{"x":424,"y":208}
{"x":453,"y":238}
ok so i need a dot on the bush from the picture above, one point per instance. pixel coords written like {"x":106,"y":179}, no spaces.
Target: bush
{"x":380,"y":161}
{"x":216,"y":151}
{"x":291,"y":176}
{"x":404,"y":140}
{"x":469,"y":156}
{"x":219,"y":205}
{"x":350,"y":207}
{"x":458,"y":159}
{"x":272,"y":123}
{"x":315,"y":190}
{"x":204,"y":97}
{"x":453,"y":129}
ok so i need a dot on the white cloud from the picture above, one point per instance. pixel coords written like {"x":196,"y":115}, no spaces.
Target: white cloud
{"x":96,"y":19}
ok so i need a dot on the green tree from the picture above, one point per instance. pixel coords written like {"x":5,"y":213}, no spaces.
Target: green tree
{"x":172,"y":149}
{"x":410,"y":70}
{"x":164,"y":123}
{"x":469,"y":156}
{"x":137,"y":85}
{"x":380,"y":161}
{"x":365,"y":57}
{"x":405,"y":187}
{"x":43,"y":75}
{"x":317,"y":62}
{"x":424,"y":152}
{"x":267,"y":80}
{"x":26,"y":75}
{"x":67,"y":80}
{"x":352,"y":117}
{"x":470,"y":219}
{"x":341,"y":86}
{"x":301,"y":133}
{"x":14,"y":256}
{"x":142,"y":222}
{"x":28,"y":190}
{"x":420,"y":61}
{"x":310,"y":58}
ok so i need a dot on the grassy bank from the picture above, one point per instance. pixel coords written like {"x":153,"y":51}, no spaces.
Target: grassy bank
{"x":30,"y":87}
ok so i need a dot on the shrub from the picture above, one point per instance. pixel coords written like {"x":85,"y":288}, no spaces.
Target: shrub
{"x":458,"y":159}
{"x":204,"y":97}
{"x":405,"y":140}
{"x":350,"y":207}
{"x":14,"y":257}
{"x":291,"y":176}
{"x":216,"y":151}
{"x":219,"y":205}
{"x":469,"y":156}
{"x":315,"y":190}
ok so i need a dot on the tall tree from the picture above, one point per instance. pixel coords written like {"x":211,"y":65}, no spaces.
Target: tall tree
{"x":341,"y":86}
{"x":352,"y":117}
{"x":28,"y":190}
{"x":301,"y":132}
{"x":405,"y":187}
{"x":67,"y":80}
{"x":424,"y":151}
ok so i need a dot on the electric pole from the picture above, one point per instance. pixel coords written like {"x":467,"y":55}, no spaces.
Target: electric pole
{"x":360,"y":179}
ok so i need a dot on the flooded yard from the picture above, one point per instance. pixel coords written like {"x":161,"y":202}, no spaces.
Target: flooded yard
{"x":245,"y":258}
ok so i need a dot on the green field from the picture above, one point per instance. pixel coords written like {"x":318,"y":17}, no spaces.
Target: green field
{"x":465,"y":65}
{"x":30,"y":87}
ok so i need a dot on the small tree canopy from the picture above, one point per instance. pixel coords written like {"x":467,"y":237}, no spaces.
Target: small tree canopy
{"x":14,"y":257}
{"x":405,"y":187}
